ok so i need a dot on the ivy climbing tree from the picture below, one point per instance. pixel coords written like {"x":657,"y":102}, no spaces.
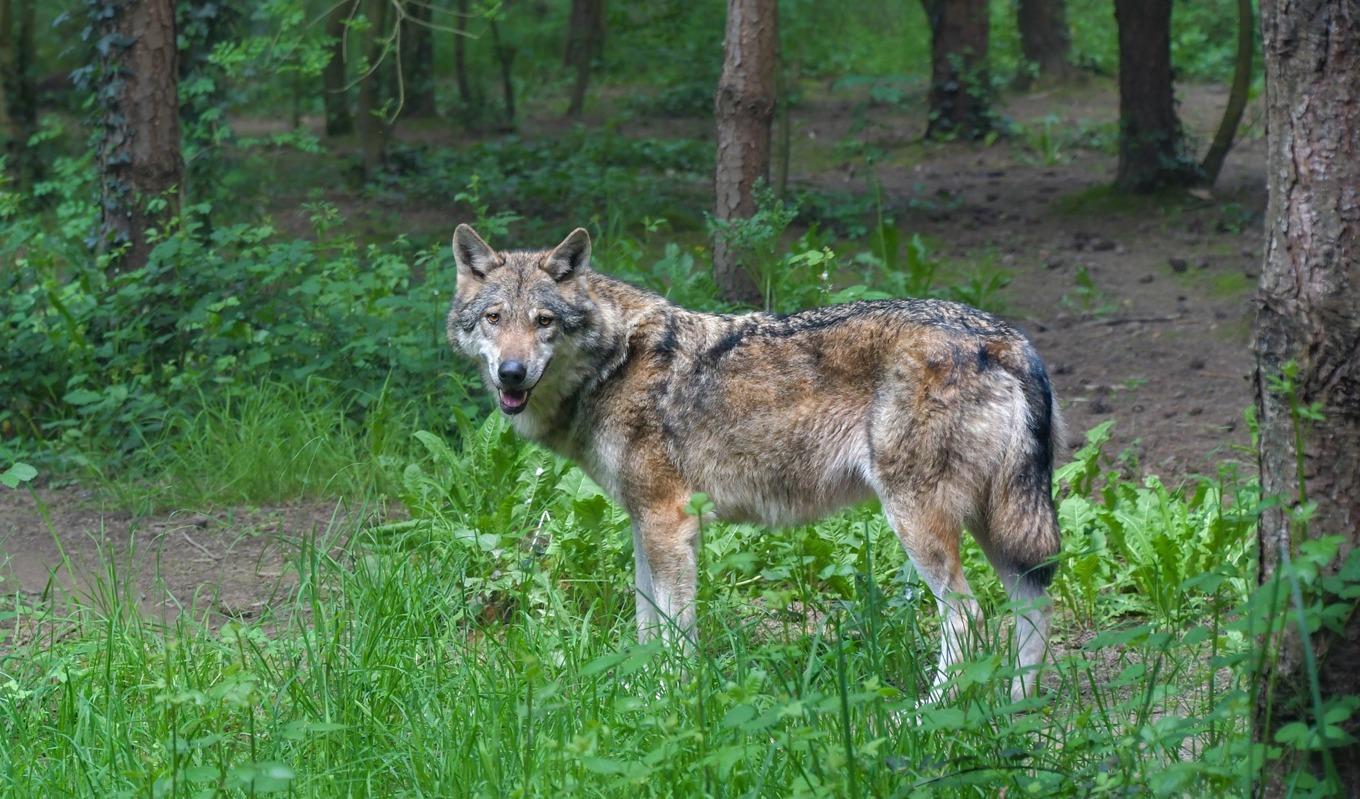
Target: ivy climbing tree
{"x":141,"y":169}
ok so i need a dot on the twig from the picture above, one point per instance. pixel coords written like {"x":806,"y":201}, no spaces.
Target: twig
{"x":1128,"y":320}
{"x":199,"y":546}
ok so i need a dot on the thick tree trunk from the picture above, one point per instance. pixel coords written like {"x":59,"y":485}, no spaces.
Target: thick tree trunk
{"x":371,"y":124}
{"x":417,"y":60}
{"x":1151,"y":148}
{"x":141,"y":169}
{"x":1310,"y":315}
{"x":18,"y":90}
{"x":1237,"y":97}
{"x":959,"y":84}
{"x":585,"y":44}
{"x":1044,"y":40}
{"x":460,"y":72}
{"x":744,"y":106}
{"x":339,"y":122}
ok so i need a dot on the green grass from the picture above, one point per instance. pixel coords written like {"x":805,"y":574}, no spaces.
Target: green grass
{"x":267,"y":444}
{"x":484,"y":647}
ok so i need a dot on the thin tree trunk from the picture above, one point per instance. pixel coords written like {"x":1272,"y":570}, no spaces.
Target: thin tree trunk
{"x":744,"y":107}
{"x":505,"y":55}
{"x":339,"y":122}
{"x":1309,"y":315}
{"x":371,"y":125}
{"x":417,"y":60}
{"x":460,"y":73}
{"x":7,"y":71}
{"x":1237,"y":97}
{"x":585,"y":44}
{"x":140,"y":164}
{"x":18,"y":90}
{"x":1044,"y":40}
{"x":959,"y":83}
{"x":1151,"y":147}
{"x":6,"y":55}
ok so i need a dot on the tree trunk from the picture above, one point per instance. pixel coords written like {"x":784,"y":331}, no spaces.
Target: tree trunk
{"x":336,"y":97}
{"x":417,"y":60}
{"x":1151,"y":149}
{"x":460,"y":73}
{"x":371,"y":124}
{"x":141,"y":169}
{"x":1237,"y":98}
{"x":1310,"y":314}
{"x":505,"y":55}
{"x":6,"y":54}
{"x":959,"y":84}
{"x":744,"y":107}
{"x":18,"y":90}
{"x":585,"y":44}
{"x":1044,"y":41}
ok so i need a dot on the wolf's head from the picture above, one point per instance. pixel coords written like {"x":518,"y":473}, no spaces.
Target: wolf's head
{"x":520,"y":312}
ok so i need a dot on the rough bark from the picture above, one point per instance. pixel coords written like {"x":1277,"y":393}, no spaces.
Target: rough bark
{"x":417,"y":60}
{"x":18,"y":90}
{"x":141,"y":168}
{"x":371,"y":124}
{"x":1044,"y":40}
{"x":1310,"y":314}
{"x":1151,"y":147}
{"x":339,"y":122}
{"x":460,"y":72}
{"x":744,"y":107}
{"x":959,"y":83}
{"x":1237,"y":97}
{"x":585,"y":44}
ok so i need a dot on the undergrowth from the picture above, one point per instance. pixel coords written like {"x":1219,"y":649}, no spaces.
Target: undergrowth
{"x":484,"y":647}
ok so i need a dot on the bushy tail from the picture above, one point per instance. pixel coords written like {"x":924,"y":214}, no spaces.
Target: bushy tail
{"x":1023,"y":521}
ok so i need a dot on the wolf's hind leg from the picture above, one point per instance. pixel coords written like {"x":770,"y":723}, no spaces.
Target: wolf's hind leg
{"x":666,"y":541}
{"x":930,"y":535}
{"x":644,"y":594}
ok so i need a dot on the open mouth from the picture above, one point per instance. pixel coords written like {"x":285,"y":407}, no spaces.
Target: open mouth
{"x":512,"y":402}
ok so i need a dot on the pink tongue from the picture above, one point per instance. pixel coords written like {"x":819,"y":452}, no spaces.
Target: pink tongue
{"x":513,"y":399}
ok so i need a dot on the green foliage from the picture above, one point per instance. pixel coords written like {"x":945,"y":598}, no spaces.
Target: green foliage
{"x":1086,"y":297}
{"x":104,"y":362}
{"x":596,"y":175}
{"x":481,"y":647}
{"x":17,"y":473}
{"x":268,"y":443}
{"x":1131,"y":548}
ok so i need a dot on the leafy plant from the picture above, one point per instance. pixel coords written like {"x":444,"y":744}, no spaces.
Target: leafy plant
{"x":1086,"y":297}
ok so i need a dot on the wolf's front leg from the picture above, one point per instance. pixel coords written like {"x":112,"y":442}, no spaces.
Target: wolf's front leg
{"x":666,"y":541}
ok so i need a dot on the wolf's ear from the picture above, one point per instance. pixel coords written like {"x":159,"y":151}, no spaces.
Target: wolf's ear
{"x":474,"y":257}
{"x":571,"y":257}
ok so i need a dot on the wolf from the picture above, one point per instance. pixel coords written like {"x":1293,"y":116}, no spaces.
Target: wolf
{"x":942,"y":411}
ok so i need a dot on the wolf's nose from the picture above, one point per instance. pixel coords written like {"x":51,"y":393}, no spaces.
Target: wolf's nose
{"x":512,"y":374}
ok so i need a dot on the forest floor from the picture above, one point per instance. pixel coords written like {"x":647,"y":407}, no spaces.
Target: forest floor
{"x":1142,"y":309}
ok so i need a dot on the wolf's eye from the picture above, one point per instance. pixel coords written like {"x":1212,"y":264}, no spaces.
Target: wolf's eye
{"x":544,"y":320}
{"x":492,"y":317}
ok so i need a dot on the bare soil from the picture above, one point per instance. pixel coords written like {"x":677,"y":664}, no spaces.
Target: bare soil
{"x":1158,"y":340}
{"x":236,"y":563}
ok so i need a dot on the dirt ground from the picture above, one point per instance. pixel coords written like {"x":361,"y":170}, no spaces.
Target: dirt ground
{"x":224,"y":564}
{"x":1156,"y":339}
